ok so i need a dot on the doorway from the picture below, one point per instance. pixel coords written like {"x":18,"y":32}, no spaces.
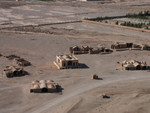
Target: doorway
{"x":44,"y":90}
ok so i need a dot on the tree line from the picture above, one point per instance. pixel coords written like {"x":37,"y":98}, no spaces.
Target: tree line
{"x":140,"y":15}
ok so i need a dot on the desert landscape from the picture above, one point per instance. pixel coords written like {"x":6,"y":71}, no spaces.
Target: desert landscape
{"x":36,"y":32}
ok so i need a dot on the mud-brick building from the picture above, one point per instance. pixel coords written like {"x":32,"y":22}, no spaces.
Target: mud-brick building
{"x":13,"y":71}
{"x":43,"y":86}
{"x":66,"y":61}
{"x":119,"y":45}
{"x":79,"y":49}
{"x":88,"y":50}
{"x":145,"y":47}
{"x":134,"y":65}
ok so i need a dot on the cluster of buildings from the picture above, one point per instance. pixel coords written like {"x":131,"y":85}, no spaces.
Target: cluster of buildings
{"x":70,"y":61}
{"x":134,"y":65}
{"x":16,"y":69}
{"x":89,"y":50}
{"x":131,"y":46}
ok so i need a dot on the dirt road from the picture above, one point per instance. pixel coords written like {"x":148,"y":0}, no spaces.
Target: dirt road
{"x":83,"y":87}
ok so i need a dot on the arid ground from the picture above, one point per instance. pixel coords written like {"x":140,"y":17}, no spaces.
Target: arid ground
{"x":38,"y":31}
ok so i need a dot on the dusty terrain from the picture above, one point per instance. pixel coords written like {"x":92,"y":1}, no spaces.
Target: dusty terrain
{"x":38,"y":32}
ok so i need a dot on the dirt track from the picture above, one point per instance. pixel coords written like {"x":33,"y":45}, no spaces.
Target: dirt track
{"x":84,"y":87}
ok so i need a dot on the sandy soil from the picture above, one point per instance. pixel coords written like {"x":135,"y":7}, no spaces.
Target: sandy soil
{"x":47,"y":37}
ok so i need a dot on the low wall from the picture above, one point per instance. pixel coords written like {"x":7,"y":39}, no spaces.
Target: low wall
{"x":113,"y":25}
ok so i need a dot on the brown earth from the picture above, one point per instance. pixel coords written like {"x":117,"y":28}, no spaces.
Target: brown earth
{"x":129,"y":91}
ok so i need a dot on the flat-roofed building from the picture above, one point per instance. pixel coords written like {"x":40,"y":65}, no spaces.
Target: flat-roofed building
{"x":66,"y":61}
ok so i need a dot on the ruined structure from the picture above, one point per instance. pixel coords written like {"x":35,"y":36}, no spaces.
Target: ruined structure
{"x":79,"y":50}
{"x":19,"y":61}
{"x":12,"y":71}
{"x":94,"y":76}
{"x":11,"y":57}
{"x":145,"y":47}
{"x":88,"y":50}
{"x":131,"y":46}
{"x":66,"y":61}
{"x":43,"y":86}
{"x":121,"y":45}
{"x":101,"y":50}
{"x":134,"y":65}
{"x":136,"y":46}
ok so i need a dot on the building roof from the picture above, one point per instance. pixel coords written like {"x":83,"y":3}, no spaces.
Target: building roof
{"x":133,"y":63}
{"x":50,"y":84}
{"x":12,"y":68}
{"x":67,"y":57}
{"x":129,"y":65}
